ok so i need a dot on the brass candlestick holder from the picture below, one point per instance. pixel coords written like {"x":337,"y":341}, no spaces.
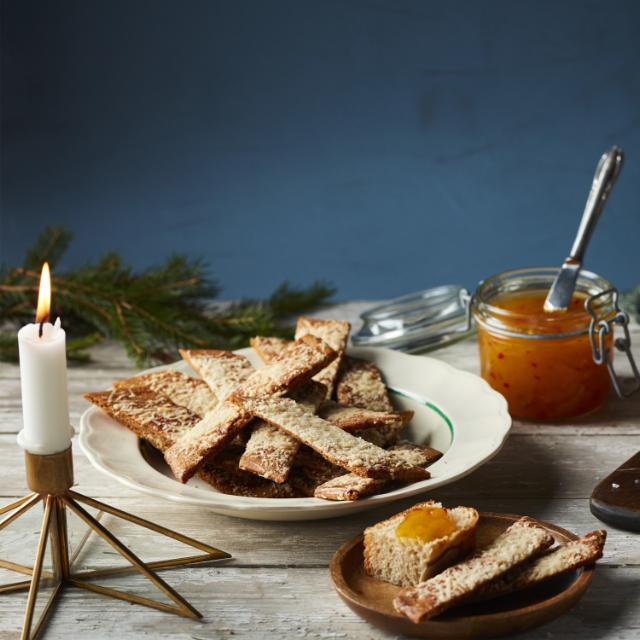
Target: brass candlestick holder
{"x":50,"y":478}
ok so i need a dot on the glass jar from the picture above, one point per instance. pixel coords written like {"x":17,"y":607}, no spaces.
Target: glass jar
{"x":547,"y":365}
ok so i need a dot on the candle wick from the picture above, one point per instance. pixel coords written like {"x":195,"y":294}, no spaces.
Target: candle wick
{"x":40,"y":329}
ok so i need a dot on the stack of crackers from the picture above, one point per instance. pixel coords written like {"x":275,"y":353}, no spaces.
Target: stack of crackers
{"x":311,"y":422}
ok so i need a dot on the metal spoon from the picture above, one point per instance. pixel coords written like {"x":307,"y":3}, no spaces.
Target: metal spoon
{"x":559,"y":296}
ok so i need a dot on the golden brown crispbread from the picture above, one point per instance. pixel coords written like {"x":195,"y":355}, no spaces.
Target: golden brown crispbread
{"x":335,"y":333}
{"x":269,"y":348}
{"x":181,"y":389}
{"x":331,"y":442}
{"x":223,"y":371}
{"x":149,"y":415}
{"x":360,"y":384}
{"x":270,"y":452}
{"x":353,"y":487}
{"x":356,"y":419}
{"x":563,"y":559}
{"x":521,"y":541}
{"x":157,"y":420}
{"x":223,"y":473}
{"x":305,"y":358}
{"x":206,"y":439}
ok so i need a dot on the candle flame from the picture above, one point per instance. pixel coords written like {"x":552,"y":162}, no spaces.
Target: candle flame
{"x":44,"y":295}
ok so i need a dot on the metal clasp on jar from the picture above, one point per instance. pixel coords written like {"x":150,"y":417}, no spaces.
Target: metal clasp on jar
{"x":599,"y":327}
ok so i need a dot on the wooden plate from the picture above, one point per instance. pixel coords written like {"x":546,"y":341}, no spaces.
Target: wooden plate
{"x":373,"y":599}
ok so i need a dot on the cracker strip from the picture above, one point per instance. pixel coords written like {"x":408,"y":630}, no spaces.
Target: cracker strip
{"x":384,"y":436}
{"x":336,"y":334}
{"x":269,"y":348}
{"x":181,"y":389}
{"x":270,"y":452}
{"x":305,"y":358}
{"x":352,"y":487}
{"x":205,"y":439}
{"x":149,"y":415}
{"x":223,"y":371}
{"x":360,"y":384}
{"x":156,"y":419}
{"x":331,"y":442}
{"x":348,"y":487}
{"x":415,"y":453}
{"x":563,"y":559}
{"x":223,"y":474}
{"x":355,"y":418}
{"x":522,"y":540}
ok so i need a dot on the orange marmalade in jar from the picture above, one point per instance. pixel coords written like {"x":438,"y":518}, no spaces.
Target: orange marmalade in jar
{"x":547,"y":365}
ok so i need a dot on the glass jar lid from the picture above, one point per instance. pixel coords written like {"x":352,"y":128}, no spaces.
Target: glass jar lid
{"x":418,"y":321}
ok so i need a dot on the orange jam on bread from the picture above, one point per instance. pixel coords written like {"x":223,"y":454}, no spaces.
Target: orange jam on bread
{"x":426,"y":524}
{"x":541,"y":362}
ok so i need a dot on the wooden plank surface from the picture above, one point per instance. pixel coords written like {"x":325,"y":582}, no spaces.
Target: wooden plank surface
{"x":277,"y":585}
{"x":298,"y":603}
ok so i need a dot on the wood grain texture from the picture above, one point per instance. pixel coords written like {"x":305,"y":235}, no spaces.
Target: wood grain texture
{"x":277,"y":585}
{"x":294,"y":603}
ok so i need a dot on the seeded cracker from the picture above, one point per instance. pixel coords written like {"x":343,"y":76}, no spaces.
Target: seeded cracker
{"x":353,"y":487}
{"x":331,"y":442}
{"x":269,"y":348}
{"x":223,"y":371}
{"x":354,"y":418}
{"x":181,"y":389}
{"x":336,"y":334}
{"x":563,"y":559}
{"x":521,"y":541}
{"x":218,"y":427}
{"x":149,"y":415}
{"x":155,"y":419}
{"x":369,"y":388}
{"x":360,"y":384}
{"x":270,"y":452}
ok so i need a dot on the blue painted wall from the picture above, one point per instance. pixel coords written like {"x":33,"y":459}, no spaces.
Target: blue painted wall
{"x":383,"y":145}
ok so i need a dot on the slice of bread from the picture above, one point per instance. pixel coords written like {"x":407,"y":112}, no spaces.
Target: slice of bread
{"x":410,"y":561}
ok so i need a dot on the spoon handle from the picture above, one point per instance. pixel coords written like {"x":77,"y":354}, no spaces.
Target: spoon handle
{"x":604,"y":178}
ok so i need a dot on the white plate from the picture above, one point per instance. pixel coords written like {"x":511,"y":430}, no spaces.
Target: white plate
{"x":455,"y":412}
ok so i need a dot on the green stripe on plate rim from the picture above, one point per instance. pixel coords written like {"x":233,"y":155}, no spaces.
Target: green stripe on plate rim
{"x":426,"y":403}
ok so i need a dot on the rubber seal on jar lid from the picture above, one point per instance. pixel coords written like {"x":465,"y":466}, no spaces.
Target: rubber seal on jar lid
{"x":417,"y":321}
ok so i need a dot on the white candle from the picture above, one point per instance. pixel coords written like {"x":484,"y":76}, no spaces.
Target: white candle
{"x":43,"y":377}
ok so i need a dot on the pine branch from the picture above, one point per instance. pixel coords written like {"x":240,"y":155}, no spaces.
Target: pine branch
{"x":151,"y":313}
{"x":49,"y":247}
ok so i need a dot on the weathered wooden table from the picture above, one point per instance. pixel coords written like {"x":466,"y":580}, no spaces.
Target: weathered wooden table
{"x":278,"y":585}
